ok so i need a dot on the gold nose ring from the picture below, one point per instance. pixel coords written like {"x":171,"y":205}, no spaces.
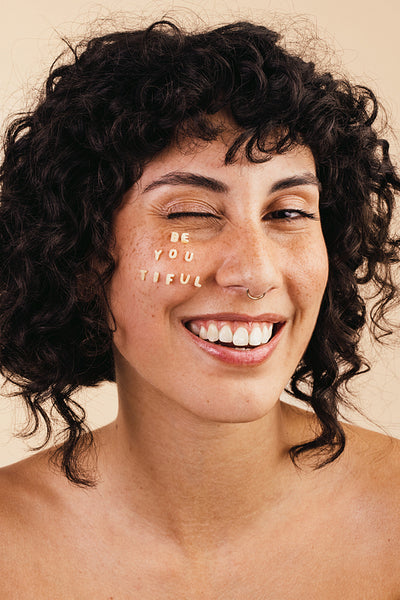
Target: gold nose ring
{"x":254,"y":297}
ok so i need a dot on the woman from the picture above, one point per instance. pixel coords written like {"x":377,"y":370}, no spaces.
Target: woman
{"x":195,"y":216}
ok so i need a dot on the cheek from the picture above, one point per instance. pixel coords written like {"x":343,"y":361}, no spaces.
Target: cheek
{"x":152,"y":276}
{"x":158,"y":269}
{"x":137,"y":321}
{"x":308,"y":276}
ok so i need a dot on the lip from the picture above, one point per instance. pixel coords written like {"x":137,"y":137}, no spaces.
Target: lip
{"x":252,"y":357}
{"x":268,"y":317}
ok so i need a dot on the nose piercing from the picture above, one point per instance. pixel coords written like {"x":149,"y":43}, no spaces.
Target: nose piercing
{"x":254,"y":297}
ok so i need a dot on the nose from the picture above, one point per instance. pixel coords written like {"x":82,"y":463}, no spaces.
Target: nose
{"x":250,"y":261}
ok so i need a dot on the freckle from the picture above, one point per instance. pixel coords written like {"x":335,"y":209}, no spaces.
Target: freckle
{"x":156,"y":276}
{"x":185,"y":238}
{"x":184,"y":281}
{"x":169,"y":278}
{"x":157,"y":254}
{"x":174,"y":236}
{"x":173,"y":253}
{"x":188,"y":256}
{"x":197,"y":281}
{"x":143,"y":273}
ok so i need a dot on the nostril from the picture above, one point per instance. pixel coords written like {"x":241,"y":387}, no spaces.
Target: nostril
{"x":243,"y":269}
{"x":255,"y":296}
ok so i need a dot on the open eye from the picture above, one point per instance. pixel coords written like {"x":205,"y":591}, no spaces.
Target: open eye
{"x":289,"y":214}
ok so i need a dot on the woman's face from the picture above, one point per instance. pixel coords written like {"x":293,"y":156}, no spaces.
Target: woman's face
{"x":231,"y":228}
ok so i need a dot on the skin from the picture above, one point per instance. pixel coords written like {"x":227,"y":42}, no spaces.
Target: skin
{"x":197,"y":497}
{"x":243,"y":246}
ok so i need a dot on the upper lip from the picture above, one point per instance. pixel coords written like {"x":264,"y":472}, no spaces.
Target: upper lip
{"x":223,"y":316}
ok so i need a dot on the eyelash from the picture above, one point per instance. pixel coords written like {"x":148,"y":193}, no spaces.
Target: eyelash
{"x":178,"y":215}
{"x":301,"y":214}
{"x":271,"y":216}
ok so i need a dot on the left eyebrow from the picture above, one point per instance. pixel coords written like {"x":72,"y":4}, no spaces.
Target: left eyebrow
{"x":182,"y":178}
{"x":295,"y":180}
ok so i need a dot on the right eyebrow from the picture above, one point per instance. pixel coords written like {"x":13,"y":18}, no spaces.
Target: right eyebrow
{"x":307,"y":178}
{"x":184,"y":178}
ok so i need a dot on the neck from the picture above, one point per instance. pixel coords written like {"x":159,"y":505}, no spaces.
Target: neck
{"x":191,"y":477}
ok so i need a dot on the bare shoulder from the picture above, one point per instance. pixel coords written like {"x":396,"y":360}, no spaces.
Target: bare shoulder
{"x":369,"y":469}
{"x":371,"y":462}
{"x":376,"y":459}
{"x":355,"y":502}
{"x":30,"y":495}
{"x":371,"y":472}
{"x":25,"y":491}
{"x":31,"y":520}
{"x":369,"y":484}
{"x":370,"y":458}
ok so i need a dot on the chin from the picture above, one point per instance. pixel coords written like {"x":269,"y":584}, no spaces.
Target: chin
{"x":234,"y":408}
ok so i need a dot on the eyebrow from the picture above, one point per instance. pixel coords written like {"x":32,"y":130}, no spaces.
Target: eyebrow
{"x":182,"y":178}
{"x":214,"y":185}
{"x":295,"y":180}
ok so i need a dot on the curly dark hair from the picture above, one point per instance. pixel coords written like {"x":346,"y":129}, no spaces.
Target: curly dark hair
{"x":102,"y":116}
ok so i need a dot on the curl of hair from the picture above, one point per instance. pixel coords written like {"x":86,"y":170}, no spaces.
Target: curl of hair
{"x":122,"y":99}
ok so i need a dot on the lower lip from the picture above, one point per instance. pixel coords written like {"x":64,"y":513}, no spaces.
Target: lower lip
{"x":249,"y":357}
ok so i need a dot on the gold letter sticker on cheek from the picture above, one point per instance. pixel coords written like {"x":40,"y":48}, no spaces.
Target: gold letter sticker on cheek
{"x":184,"y":278}
{"x":175,"y":237}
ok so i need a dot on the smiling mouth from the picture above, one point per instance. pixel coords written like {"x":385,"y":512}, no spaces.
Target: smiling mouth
{"x":241,"y":335}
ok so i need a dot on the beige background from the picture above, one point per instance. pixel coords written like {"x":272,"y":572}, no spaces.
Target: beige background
{"x":365,"y":37}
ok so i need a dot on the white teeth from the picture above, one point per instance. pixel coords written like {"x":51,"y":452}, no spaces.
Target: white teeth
{"x":212,"y":333}
{"x":240,"y":337}
{"x":259,"y":334}
{"x":226,"y":335}
{"x":266,"y":333}
{"x":203,"y":333}
{"x":255,"y":337}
